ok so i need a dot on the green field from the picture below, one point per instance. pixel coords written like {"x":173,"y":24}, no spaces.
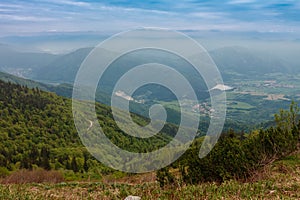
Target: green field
{"x":239,"y":105}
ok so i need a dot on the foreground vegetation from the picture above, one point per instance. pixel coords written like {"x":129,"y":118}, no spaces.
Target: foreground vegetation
{"x":237,"y":156}
{"x":279,"y":180}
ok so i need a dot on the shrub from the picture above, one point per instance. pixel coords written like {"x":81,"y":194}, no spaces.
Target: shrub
{"x":164,"y":177}
{"x":3,"y":172}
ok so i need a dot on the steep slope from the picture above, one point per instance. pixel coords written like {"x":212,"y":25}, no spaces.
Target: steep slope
{"x":64,"y":68}
{"x":37,"y":129}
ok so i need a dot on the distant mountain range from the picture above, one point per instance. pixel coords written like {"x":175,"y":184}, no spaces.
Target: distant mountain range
{"x":63,"y":68}
{"x":246,"y":62}
{"x":58,"y":69}
{"x":23,"y":64}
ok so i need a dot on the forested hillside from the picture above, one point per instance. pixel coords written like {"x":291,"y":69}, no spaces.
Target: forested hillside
{"x":37,"y":130}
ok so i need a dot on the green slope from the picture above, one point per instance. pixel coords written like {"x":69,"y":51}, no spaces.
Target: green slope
{"x":37,"y":130}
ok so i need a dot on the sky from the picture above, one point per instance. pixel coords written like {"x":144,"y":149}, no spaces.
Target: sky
{"x":39,"y":16}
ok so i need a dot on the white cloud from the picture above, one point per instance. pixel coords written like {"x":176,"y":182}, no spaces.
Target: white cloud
{"x":74,"y":3}
{"x":241,"y":1}
{"x":209,"y":15}
{"x":68,"y":2}
{"x":94,"y":16}
{"x":9,"y":5}
{"x":6,"y":10}
{"x":126,"y":9}
{"x":25,"y":18}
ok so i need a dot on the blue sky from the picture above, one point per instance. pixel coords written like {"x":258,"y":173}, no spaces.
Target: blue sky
{"x":32,"y":16}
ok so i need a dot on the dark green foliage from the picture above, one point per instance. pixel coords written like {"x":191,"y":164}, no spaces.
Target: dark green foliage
{"x":164,"y":177}
{"x":74,"y":165}
{"x":85,"y":165}
{"x":238,"y":156}
{"x":45,"y":158}
{"x":37,"y":130}
{"x":33,"y":124}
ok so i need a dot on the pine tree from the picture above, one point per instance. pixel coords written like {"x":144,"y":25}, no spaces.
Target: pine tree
{"x":85,"y":165}
{"x":45,"y":157}
{"x":74,"y":165}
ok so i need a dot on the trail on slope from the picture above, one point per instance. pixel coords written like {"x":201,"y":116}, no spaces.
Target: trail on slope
{"x":91,"y":125}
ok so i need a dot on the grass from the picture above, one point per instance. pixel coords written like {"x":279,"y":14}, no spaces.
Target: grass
{"x":281,"y":180}
{"x":239,"y":105}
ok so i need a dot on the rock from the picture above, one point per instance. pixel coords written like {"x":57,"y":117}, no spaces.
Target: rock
{"x":132,"y":198}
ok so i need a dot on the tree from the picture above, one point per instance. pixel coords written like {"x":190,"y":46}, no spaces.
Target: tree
{"x":45,"y":158}
{"x":85,"y":165}
{"x":74,"y":165}
{"x":286,"y":120}
{"x":33,"y":155}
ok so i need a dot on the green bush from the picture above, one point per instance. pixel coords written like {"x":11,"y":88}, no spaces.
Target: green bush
{"x":3,"y":172}
{"x":236,"y":156}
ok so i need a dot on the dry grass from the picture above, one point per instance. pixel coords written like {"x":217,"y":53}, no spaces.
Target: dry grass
{"x":132,"y":180}
{"x":34,"y":176}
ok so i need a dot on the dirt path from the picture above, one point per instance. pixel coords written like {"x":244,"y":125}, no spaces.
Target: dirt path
{"x":91,"y":125}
